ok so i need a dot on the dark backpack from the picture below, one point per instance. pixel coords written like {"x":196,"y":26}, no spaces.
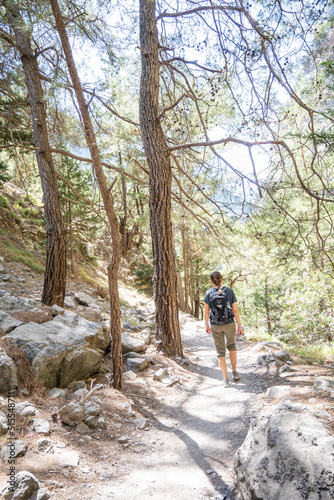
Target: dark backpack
{"x":220,"y":306}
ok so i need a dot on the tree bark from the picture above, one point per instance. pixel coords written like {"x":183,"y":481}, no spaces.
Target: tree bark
{"x":266,"y":295}
{"x":185,"y":266}
{"x":114,"y":264}
{"x":160,"y":183}
{"x":55,"y":267}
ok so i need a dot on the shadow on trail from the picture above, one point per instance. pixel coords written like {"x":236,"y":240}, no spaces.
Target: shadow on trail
{"x":195,"y":451}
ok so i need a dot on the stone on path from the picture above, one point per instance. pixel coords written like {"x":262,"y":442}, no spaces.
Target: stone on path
{"x":72,"y":414}
{"x":41,"y":426}
{"x":55,"y":310}
{"x":13,"y":449}
{"x":58,"y":393}
{"x":26,"y":409}
{"x":69,"y":459}
{"x":26,"y":486}
{"x":45,"y":445}
{"x":141,"y":423}
{"x":287,"y":454}
{"x":278,"y":391}
{"x":130,"y":344}
{"x":77,"y":384}
{"x":130,"y":375}
{"x":136,"y":364}
{"x":323,"y":384}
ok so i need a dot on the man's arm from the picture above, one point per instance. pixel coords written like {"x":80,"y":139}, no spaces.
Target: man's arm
{"x":206,"y":318}
{"x":236,"y":314}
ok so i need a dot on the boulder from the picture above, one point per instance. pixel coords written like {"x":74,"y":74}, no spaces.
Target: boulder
{"x":72,"y":414}
{"x":25,"y":485}
{"x":286,"y":454}
{"x":141,"y":423}
{"x":131,"y":344}
{"x":274,"y":358}
{"x":41,"y":494}
{"x":8,"y":373}
{"x":8,"y":323}
{"x":76,"y":384}
{"x":136,"y":364}
{"x":80,"y":363}
{"x":58,"y":393}
{"x":62,"y":350}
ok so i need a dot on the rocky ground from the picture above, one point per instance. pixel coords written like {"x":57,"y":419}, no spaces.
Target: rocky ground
{"x":173,"y":431}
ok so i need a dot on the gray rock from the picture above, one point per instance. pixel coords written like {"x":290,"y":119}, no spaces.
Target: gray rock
{"x":80,"y":363}
{"x":83,"y":429}
{"x":80,"y":392}
{"x":41,"y":494}
{"x":77,"y":384}
{"x":58,"y":393}
{"x":130,"y":344}
{"x":101,"y":423}
{"x":170,"y":380}
{"x":8,"y":323}
{"x":45,"y":445}
{"x":13,"y":449}
{"x":130,"y":375}
{"x":41,"y":426}
{"x":274,"y":358}
{"x":3,"y":423}
{"x":286,"y":454}
{"x":8,"y":372}
{"x":25,"y":485}
{"x":288,"y":368}
{"x":91,"y":421}
{"x":62,"y":350}
{"x":72,"y":414}
{"x":69,"y":459}
{"x":92,"y":409}
{"x":26,"y":409}
{"x":160,"y":374}
{"x":141,"y":423}
{"x":123,"y":439}
{"x":86,"y":300}
{"x":55,"y":310}
{"x":147,"y":335}
{"x":323,"y":384}
{"x":136,"y":364}
{"x":3,"y":402}
{"x":9,"y":302}
{"x":278,"y":391}
{"x":70,"y":302}
{"x":132,"y":355}
{"x":5,"y":277}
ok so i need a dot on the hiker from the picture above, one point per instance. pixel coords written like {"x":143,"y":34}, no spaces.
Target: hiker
{"x":221,"y":307}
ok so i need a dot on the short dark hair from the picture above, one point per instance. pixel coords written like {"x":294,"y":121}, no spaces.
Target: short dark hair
{"x":216,"y":278}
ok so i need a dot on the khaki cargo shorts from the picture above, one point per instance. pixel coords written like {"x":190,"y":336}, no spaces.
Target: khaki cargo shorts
{"x":219,"y":332}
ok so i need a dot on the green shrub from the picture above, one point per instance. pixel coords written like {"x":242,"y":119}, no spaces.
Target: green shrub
{"x":14,"y":216}
{"x":21,"y":203}
{"x":30,"y":199}
{"x":3,"y":201}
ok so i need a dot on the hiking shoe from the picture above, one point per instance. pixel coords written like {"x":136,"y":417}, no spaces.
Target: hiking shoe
{"x":235,"y":376}
{"x":226,"y":382}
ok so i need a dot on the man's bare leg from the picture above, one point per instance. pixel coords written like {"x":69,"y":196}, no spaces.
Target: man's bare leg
{"x":222,"y":365}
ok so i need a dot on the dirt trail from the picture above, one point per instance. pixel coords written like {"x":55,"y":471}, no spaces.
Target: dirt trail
{"x":187,"y":450}
{"x":196,"y":435}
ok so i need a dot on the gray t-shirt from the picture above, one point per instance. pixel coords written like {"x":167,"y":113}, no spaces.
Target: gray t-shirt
{"x":230,"y":297}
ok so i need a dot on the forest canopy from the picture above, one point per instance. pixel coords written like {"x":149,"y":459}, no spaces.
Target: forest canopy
{"x":210,"y":126}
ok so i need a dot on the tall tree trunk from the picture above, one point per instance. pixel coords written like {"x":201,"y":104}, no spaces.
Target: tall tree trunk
{"x":114,"y":264}
{"x":266,"y":295}
{"x":123,"y":220}
{"x":55,"y":268}
{"x":160,"y":180}
{"x":180,"y":291}
{"x":185,"y":266}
